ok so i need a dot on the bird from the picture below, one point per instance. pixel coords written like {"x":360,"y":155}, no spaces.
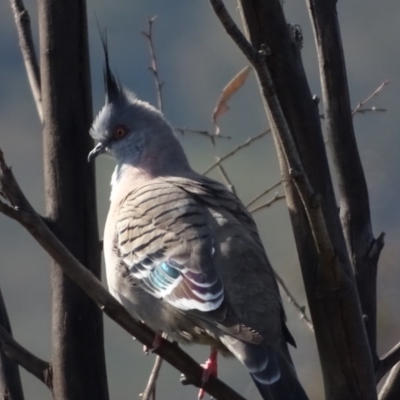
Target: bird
{"x":182,"y":253}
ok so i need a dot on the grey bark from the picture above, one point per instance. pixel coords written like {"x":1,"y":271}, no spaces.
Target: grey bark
{"x":78,"y":360}
{"x":354,"y":200}
{"x":330,"y":284}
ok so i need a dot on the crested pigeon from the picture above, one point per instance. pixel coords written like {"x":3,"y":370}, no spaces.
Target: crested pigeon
{"x":182,"y":253}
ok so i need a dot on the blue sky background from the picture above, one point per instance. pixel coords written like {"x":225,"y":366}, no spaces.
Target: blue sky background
{"x":196,"y":59}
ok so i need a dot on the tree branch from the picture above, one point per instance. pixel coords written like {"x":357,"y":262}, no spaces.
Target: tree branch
{"x":224,"y":174}
{"x":36,"y":366}
{"x":360,"y":106}
{"x":301,"y":309}
{"x":247,"y":143}
{"x":23,"y":23}
{"x":154,"y":67}
{"x":263,"y":193}
{"x":327,"y":273}
{"x":370,"y":110}
{"x":387,"y":362}
{"x":354,"y":199}
{"x":10,"y":380}
{"x":291,"y":299}
{"x":391,"y":389}
{"x":268,"y":203}
{"x":211,"y":136}
{"x":149,"y":392}
{"x":234,"y":32}
{"x":21,"y":211}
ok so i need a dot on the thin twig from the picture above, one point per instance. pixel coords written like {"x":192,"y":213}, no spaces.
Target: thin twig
{"x":23,"y":23}
{"x":22,"y":211}
{"x":388,"y":361}
{"x":370,"y":109}
{"x":224,"y":174}
{"x":211,"y":136}
{"x":367,"y":99}
{"x":295,"y":303}
{"x":266,"y":191}
{"x":363,"y":111}
{"x":36,"y":366}
{"x":154,"y":67}
{"x":148,"y":393}
{"x":247,"y":143}
{"x":269,"y":203}
{"x":291,"y":298}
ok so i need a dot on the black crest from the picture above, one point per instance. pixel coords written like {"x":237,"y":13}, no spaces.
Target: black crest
{"x":112,"y":87}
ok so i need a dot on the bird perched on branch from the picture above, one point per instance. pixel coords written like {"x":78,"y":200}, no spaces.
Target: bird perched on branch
{"x":182,"y":253}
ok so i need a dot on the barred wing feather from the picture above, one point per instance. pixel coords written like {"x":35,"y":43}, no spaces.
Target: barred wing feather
{"x":164,"y":241}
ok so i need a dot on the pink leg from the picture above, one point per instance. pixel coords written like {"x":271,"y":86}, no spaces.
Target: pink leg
{"x":155,"y":345}
{"x":210,"y":369}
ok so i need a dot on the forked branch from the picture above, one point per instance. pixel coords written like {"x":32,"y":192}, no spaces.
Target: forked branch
{"x":263,"y":193}
{"x":268,"y":203}
{"x":388,"y":361}
{"x":268,"y":31}
{"x":10,"y":379}
{"x":360,"y":106}
{"x":36,"y":366}
{"x":211,"y":136}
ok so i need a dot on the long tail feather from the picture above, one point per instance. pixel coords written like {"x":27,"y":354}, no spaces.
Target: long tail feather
{"x":273,"y":373}
{"x":287,"y":387}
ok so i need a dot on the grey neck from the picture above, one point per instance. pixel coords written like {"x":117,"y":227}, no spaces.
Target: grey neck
{"x":163,"y":157}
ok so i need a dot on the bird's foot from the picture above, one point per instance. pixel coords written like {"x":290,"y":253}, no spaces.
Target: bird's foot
{"x":210,"y":368}
{"x":155,"y":345}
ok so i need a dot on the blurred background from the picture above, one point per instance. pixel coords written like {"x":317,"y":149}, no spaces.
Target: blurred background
{"x":196,"y":59}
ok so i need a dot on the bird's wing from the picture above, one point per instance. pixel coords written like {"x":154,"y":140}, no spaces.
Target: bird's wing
{"x":244,"y":267}
{"x":164,"y":241}
{"x":213,"y":194}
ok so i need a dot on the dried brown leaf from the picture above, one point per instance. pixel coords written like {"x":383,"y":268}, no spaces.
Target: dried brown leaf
{"x":228,"y":91}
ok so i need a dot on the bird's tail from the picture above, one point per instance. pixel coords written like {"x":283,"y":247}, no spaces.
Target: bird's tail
{"x":272,"y":372}
{"x":287,"y":387}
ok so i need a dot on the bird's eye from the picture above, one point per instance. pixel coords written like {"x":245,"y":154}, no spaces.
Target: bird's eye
{"x":120,"y":131}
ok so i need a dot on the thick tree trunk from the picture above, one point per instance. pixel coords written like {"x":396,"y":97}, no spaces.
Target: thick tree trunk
{"x":77,"y":344}
{"x":330,"y":286}
{"x":355,"y":213}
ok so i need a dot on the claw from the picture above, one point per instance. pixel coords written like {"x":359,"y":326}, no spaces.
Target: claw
{"x":156,"y":344}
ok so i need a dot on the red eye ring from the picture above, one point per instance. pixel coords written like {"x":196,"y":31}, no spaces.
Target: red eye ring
{"x":119,"y":132}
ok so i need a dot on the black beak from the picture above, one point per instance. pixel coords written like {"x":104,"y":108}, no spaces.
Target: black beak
{"x":99,"y":149}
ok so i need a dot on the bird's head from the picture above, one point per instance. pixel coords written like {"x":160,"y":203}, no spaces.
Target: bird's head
{"x":126,"y":127}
